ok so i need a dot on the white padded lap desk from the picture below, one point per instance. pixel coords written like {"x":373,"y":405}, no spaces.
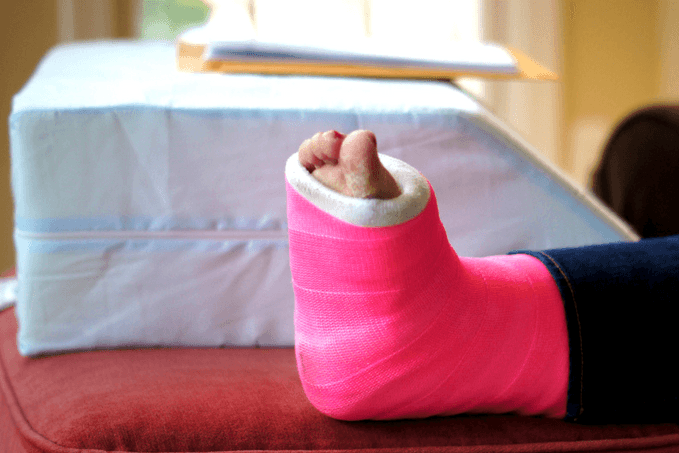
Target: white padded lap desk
{"x":150,"y":203}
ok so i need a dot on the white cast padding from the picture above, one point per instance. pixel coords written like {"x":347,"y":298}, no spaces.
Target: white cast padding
{"x":364,"y":212}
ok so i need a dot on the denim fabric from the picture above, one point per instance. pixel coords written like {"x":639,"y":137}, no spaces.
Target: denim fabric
{"x":621,"y":302}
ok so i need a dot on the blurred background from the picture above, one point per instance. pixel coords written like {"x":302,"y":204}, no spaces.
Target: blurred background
{"x":612,"y":56}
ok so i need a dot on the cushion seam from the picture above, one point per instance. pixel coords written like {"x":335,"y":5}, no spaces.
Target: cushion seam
{"x":21,"y":424}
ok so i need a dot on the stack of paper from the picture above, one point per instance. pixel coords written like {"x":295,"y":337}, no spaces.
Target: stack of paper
{"x":200,"y":50}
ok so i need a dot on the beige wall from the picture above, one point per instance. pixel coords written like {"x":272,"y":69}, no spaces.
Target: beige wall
{"x":534,"y":109}
{"x":668,"y":36}
{"x":79,"y":20}
{"x":612,"y":55}
{"x":26,"y":32}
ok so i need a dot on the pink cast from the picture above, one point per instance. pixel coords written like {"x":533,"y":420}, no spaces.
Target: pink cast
{"x":390,"y":323}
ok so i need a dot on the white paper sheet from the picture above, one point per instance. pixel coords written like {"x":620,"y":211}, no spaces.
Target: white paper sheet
{"x":436,"y":55}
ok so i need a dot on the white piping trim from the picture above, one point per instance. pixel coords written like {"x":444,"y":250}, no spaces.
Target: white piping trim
{"x":217,"y":235}
{"x":530,"y":152}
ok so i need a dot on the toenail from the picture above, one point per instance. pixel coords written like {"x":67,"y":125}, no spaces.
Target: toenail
{"x":373,"y":138}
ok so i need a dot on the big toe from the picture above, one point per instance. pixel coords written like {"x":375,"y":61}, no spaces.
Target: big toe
{"x":365,"y":175}
{"x":359,"y":149}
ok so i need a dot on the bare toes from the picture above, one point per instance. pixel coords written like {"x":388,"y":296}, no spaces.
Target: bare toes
{"x":307,"y":157}
{"x":321,"y":149}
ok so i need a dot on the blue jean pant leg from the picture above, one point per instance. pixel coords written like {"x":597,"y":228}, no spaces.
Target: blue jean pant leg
{"x":621,"y":303}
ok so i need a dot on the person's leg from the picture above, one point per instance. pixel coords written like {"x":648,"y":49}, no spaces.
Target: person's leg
{"x":620,"y":301}
{"x":389,"y":321}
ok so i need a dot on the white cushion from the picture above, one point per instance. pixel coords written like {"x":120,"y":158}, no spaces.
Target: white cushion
{"x":150,"y":204}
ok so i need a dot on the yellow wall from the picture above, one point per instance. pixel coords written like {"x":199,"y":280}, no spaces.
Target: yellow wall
{"x":611,"y":66}
{"x":26,"y":32}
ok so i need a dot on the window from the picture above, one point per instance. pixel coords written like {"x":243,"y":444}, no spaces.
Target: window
{"x":165,"y":19}
{"x":420,"y":20}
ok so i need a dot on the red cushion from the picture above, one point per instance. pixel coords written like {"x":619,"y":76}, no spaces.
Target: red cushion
{"x":218,"y":400}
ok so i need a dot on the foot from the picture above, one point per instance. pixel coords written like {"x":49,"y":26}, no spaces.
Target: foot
{"x":391,"y":323}
{"x":348,"y":164}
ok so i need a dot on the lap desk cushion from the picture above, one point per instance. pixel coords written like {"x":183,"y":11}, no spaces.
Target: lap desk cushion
{"x":241,"y":399}
{"x":150,"y":203}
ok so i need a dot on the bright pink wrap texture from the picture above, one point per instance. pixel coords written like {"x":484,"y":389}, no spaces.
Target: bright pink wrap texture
{"x":390,"y":323}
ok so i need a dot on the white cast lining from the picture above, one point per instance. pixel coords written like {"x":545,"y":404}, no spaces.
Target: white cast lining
{"x":360,"y":211}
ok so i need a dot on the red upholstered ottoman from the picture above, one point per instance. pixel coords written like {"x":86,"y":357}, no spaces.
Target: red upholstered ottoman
{"x":223,"y":400}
